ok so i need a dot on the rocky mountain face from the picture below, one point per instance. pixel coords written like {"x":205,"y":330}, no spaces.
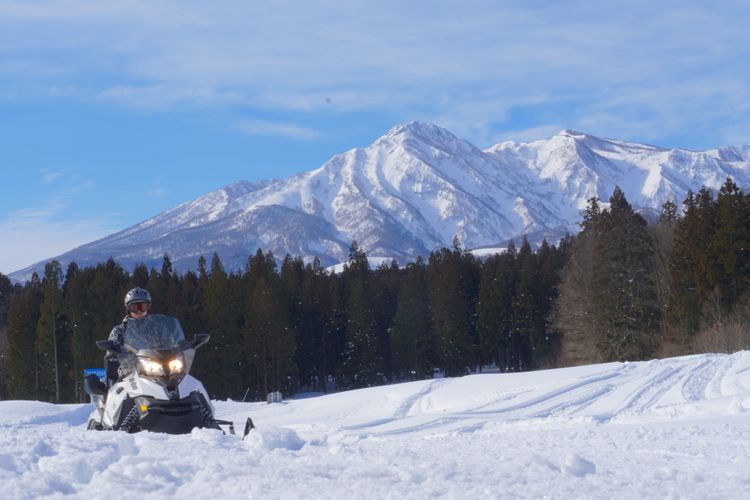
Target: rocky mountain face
{"x":411,"y":191}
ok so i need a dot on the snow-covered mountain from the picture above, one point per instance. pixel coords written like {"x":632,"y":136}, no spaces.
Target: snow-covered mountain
{"x":412,"y":191}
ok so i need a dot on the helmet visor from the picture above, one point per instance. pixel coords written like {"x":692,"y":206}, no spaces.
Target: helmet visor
{"x":138,"y":307}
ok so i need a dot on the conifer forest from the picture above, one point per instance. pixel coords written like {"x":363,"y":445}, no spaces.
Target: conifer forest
{"x":622,"y":289}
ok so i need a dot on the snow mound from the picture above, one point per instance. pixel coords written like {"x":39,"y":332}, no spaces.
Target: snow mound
{"x":274,"y":438}
{"x":576,"y":465}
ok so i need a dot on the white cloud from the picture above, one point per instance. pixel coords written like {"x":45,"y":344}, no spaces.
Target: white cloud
{"x":262,"y":127}
{"x":431,"y":60}
{"x":49,"y":176}
{"x":35,"y":234}
{"x":529,"y":134}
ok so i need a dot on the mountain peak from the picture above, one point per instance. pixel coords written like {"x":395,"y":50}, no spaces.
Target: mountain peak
{"x":566,"y":132}
{"x":422,"y":130}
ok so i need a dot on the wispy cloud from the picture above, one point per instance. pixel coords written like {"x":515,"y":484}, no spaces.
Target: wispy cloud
{"x":262,"y":127}
{"x":51,"y":227}
{"x":529,"y":134}
{"x":404,"y":59}
{"x":157,"y":191}
{"x":37,"y":233}
{"x":49,"y":176}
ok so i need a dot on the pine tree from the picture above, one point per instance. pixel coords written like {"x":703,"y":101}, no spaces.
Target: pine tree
{"x":693,"y":268}
{"x":139,"y":278}
{"x":497,"y":289}
{"x":6,"y":295}
{"x":453,"y":282}
{"x":574,"y":310}
{"x":525,"y":311}
{"x":413,"y":341}
{"x":271,"y":336}
{"x":50,"y":334}
{"x":335,"y":341}
{"x":547,"y":340}
{"x":386,"y":280}
{"x":164,"y":288}
{"x":219,"y":365}
{"x":662,"y":235}
{"x":316,"y":358}
{"x":730,"y":243}
{"x":362,"y":365}
{"x":23,"y":316}
{"x":627,"y":311}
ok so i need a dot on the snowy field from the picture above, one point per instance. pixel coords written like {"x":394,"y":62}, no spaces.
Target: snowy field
{"x":673,"y":428}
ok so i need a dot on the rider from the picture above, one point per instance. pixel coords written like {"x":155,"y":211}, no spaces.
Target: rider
{"x":137,"y":305}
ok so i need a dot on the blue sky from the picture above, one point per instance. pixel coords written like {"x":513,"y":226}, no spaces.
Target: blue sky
{"x":115,"y":111}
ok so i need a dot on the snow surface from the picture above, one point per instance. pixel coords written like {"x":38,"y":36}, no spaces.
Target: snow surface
{"x":672,"y":428}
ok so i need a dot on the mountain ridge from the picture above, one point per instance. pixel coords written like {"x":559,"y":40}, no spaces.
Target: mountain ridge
{"x":411,"y":191}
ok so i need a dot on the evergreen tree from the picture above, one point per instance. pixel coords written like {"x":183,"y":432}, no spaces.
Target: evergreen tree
{"x":139,"y":278}
{"x":574,"y":309}
{"x":220,"y":363}
{"x":84,"y":333}
{"x":51,"y":335}
{"x":386,"y":280}
{"x":547,"y":340}
{"x":453,"y":282}
{"x":6,"y":295}
{"x":268,"y":332}
{"x":23,"y":317}
{"x":164,"y":288}
{"x":627,"y":312}
{"x":270,"y":336}
{"x":316,"y":352}
{"x":662,"y":235}
{"x":335,"y":342}
{"x":495,"y":308}
{"x":525,"y":318}
{"x":693,"y":268}
{"x":293,"y":278}
{"x":362,"y":364}
{"x":413,"y":341}
{"x":730,"y":243}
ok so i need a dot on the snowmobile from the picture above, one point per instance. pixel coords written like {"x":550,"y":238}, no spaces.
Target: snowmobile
{"x":154,"y":391}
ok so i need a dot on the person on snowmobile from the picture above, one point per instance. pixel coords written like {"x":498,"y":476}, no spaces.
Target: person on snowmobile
{"x":137,"y":305}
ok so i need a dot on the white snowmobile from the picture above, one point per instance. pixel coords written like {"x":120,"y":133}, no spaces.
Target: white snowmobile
{"x":155,"y":391}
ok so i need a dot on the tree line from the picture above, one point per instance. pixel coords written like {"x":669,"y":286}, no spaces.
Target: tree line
{"x":621,"y":289}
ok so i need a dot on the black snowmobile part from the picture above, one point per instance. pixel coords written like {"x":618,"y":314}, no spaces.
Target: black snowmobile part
{"x":179,"y":416}
{"x":249,"y":425}
{"x":130,"y":422}
{"x":93,"y":386}
{"x":93,"y":425}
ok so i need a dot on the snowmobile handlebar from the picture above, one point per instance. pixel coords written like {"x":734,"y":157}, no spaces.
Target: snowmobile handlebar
{"x":109,"y":345}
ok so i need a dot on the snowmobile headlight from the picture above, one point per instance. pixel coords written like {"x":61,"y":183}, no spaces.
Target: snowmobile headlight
{"x":176,"y":365}
{"x":150,"y":367}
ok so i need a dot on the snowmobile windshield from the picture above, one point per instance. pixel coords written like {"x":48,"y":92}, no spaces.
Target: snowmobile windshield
{"x":154,"y":332}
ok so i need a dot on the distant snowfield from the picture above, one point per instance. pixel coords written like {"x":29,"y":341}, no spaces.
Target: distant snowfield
{"x":672,"y":428}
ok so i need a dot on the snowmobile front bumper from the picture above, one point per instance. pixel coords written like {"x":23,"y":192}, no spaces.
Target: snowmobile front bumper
{"x":179,"y":416}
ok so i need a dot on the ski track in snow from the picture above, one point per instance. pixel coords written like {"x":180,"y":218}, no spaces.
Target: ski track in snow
{"x":672,"y":428}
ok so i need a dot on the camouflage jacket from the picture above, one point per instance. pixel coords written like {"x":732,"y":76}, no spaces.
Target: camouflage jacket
{"x":118,"y":331}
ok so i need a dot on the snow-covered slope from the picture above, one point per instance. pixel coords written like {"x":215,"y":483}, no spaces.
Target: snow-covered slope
{"x":672,"y":428}
{"x":411,"y":191}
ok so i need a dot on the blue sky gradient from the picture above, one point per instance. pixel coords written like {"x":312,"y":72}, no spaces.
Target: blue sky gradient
{"x":115,"y":111}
